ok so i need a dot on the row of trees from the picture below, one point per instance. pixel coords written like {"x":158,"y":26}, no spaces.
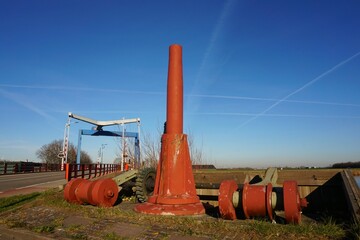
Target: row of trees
{"x":48,"y":153}
{"x":346,"y":165}
{"x":150,"y":151}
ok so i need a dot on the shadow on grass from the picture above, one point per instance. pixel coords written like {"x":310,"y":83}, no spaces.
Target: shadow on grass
{"x":14,"y":201}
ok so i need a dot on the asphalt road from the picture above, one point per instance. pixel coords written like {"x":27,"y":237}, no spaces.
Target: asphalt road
{"x":14,"y":182}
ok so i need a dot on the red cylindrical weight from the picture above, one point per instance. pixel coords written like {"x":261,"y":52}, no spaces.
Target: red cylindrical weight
{"x":70,"y":190}
{"x":292,"y":202}
{"x":84,"y":192}
{"x":105,"y":192}
{"x":254,"y":200}
{"x":268,"y":200}
{"x":226,"y":206}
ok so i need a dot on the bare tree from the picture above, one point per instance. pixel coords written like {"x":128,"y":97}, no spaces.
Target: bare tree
{"x":48,"y":153}
{"x":196,"y":153}
{"x":125,"y":149}
{"x":150,"y":150}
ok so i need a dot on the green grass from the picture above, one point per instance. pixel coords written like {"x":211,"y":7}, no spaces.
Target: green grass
{"x":308,"y":230}
{"x":16,"y":201}
{"x":44,"y":229}
{"x":353,"y":231}
{"x":187,"y":226}
{"x":112,"y":236}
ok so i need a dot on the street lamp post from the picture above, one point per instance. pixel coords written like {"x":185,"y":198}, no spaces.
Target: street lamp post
{"x":102,"y":151}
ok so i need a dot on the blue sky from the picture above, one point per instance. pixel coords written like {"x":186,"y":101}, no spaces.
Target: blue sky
{"x":267,"y":83}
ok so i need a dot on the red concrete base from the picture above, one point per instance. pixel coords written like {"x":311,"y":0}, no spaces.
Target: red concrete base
{"x":163,"y":209}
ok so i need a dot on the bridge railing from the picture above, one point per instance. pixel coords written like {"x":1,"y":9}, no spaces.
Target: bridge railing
{"x":89,"y":170}
{"x":27,"y":167}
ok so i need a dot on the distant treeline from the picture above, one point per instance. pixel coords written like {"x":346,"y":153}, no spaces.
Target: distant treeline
{"x":346,"y":165}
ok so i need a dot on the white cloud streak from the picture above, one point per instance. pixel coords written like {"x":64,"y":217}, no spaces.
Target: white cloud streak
{"x":300,"y":89}
{"x":230,"y":97}
{"x":275,"y":115}
{"x":21,"y":100}
{"x":67,"y":88}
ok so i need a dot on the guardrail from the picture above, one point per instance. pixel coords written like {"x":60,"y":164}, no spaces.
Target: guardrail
{"x":89,"y":170}
{"x":27,"y":167}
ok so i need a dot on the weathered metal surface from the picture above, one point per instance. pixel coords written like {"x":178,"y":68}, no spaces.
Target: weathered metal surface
{"x":353,"y":194}
{"x":105,"y":192}
{"x":70,"y":190}
{"x":174,"y":191}
{"x":269,"y":201}
{"x":292,"y":202}
{"x":308,"y":179}
{"x":102,"y":192}
{"x":226,"y":206}
{"x":254,"y":200}
{"x":125,"y":176}
{"x":271,"y":176}
{"x":171,"y":209}
{"x":84,"y":192}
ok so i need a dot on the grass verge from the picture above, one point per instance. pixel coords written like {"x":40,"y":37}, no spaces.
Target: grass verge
{"x":53,"y":209}
{"x":16,"y":201}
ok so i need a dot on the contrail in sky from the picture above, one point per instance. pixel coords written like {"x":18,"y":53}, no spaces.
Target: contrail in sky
{"x":301,"y":88}
{"x":200,"y":79}
{"x":214,"y":36}
{"x":275,"y":115}
{"x":67,"y":88}
{"x":25,"y":103}
{"x":272,"y":100}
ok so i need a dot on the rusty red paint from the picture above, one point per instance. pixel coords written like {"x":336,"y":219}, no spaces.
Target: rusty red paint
{"x":292,"y":202}
{"x":105,"y":192}
{"x":254,"y":200}
{"x":268,"y":201}
{"x":84,"y":192}
{"x":174,"y":111}
{"x":174,"y":190}
{"x":226,"y":206}
{"x":70,"y":190}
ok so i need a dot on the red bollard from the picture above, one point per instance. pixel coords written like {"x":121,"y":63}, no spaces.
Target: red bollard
{"x":174,"y":191}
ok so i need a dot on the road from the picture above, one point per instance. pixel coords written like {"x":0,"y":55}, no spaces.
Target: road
{"x":29,"y":182}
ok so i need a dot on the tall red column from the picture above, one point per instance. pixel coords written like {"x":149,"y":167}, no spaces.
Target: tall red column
{"x":174,"y":191}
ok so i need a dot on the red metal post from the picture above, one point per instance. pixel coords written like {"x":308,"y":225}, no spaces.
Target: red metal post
{"x":67,"y":172}
{"x":174,"y":191}
{"x":174,"y":111}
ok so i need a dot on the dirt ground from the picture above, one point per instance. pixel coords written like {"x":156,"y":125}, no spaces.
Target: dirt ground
{"x":51,"y":217}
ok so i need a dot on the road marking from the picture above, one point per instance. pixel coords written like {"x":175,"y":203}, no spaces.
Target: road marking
{"x":34,"y":185}
{"x":11,"y":178}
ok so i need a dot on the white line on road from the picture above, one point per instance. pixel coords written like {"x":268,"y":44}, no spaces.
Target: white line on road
{"x":26,"y":177}
{"x":37,"y":184}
